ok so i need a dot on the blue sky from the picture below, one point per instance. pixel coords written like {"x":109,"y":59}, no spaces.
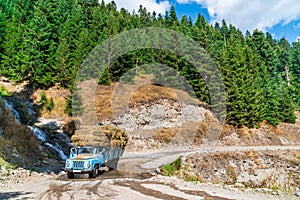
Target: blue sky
{"x":191,"y":10}
{"x":279,"y":17}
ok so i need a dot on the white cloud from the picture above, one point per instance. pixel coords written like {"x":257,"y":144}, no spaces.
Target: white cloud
{"x":297,"y":26}
{"x":150,"y":5}
{"x":251,"y":14}
{"x":297,"y":39}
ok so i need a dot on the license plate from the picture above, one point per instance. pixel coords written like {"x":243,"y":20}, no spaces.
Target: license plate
{"x":76,"y":171}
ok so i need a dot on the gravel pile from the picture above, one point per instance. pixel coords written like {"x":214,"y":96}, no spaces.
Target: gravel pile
{"x":9,"y":177}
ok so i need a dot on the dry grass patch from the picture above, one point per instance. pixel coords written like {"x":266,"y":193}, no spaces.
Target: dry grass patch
{"x":208,"y":130}
{"x":148,"y":93}
{"x":118,"y":97}
{"x":124,"y":98}
{"x":165,"y":135}
{"x":59,"y":96}
{"x":103,"y":102}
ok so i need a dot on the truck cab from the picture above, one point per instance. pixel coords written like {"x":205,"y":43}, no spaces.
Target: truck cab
{"x":86,"y":159}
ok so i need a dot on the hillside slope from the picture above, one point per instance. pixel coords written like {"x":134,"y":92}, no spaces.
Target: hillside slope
{"x":155,"y":116}
{"x":17,"y":144}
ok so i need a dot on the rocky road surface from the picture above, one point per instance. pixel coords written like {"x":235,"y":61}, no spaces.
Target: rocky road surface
{"x":123,"y":184}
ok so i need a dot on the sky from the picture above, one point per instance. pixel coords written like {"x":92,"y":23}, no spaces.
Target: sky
{"x":281,"y":18}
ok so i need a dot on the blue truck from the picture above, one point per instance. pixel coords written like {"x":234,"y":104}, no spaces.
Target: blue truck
{"x":90,"y":159}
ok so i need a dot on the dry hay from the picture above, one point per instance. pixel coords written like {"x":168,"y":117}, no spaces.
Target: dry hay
{"x":100,"y":136}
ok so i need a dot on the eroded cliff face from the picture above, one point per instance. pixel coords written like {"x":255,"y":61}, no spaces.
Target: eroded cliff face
{"x":161,"y":122}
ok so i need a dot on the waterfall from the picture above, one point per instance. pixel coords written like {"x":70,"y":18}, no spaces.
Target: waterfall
{"x":30,"y":107}
{"x":41,"y":135}
{"x":10,"y":106}
{"x":58,"y":150}
{"x":37,"y":132}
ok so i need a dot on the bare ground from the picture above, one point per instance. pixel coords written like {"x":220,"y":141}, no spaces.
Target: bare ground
{"x":48,"y":187}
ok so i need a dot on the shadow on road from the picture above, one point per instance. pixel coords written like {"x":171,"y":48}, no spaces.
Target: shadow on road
{"x":14,"y":195}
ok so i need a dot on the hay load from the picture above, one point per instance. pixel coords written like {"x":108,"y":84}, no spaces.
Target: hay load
{"x":100,"y":136}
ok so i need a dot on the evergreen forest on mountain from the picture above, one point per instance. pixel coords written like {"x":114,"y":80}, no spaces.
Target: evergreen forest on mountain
{"x":46,"y":41}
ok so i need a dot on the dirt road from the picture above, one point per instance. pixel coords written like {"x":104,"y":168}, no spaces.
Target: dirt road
{"x":120,"y":185}
{"x":52,"y":187}
{"x":139,"y":162}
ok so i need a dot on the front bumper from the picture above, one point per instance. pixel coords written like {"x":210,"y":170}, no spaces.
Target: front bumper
{"x":78,"y":171}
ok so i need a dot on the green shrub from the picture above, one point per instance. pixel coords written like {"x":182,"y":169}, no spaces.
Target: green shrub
{"x":170,"y":169}
{"x":44,"y":103}
{"x":105,"y":78}
{"x":4,"y":92}
{"x":50,"y":105}
{"x":74,"y":104}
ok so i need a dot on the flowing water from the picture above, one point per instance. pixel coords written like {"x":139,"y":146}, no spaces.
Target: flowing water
{"x":10,"y":106}
{"x":36,"y":131}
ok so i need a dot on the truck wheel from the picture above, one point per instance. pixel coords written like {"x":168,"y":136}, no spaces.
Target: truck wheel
{"x":94,"y":172}
{"x":113,"y":164}
{"x":70,"y":175}
{"x":91,"y":174}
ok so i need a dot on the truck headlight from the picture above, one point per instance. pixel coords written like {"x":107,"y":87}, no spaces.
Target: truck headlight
{"x":67,"y":163}
{"x":89,"y":164}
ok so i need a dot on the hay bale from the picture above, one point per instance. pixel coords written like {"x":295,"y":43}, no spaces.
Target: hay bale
{"x":100,"y":136}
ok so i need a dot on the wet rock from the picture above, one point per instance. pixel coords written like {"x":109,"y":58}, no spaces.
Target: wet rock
{"x":52,"y":124}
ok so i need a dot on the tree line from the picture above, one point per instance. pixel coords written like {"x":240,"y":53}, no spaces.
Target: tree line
{"x":45,"y":42}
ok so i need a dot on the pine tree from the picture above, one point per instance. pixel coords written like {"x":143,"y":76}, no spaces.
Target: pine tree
{"x":241,"y":81}
{"x":268,"y":66}
{"x":295,"y":70}
{"x":10,"y":66}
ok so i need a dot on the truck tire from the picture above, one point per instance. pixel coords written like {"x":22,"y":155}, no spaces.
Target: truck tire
{"x":70,"y":175}
{"x":113,"y":164}
{"x":94,"y":172}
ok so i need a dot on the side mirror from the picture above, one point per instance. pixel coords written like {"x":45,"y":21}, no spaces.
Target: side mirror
{"x":73,"y":152}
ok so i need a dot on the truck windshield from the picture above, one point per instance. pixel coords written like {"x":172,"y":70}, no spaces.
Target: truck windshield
{"x":86,"y":150}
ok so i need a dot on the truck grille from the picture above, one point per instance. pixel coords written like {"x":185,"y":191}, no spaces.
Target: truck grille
{"x":78,"y":164}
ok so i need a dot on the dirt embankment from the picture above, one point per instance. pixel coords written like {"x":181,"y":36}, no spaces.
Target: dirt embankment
{"x":276,"y":170}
